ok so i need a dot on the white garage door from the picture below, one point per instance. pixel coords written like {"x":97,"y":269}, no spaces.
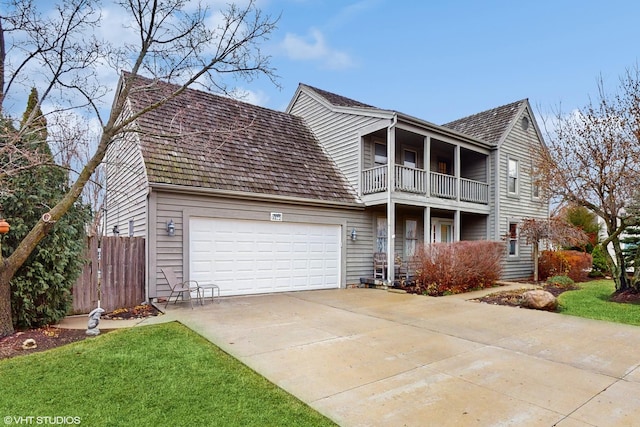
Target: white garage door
{"x":252,"y":257}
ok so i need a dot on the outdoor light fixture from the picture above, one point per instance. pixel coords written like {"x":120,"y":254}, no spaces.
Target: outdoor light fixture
{"x":354,"y":235}
{"x":171,"y":228}
{"x":116,"y":230}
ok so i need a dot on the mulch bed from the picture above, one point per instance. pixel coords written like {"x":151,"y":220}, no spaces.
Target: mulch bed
{"x":45,"y":338}
{"x":628,"y":297}
{"x":512,"y":298}
{"x":49,"y":337}
{"x":138,"y":312}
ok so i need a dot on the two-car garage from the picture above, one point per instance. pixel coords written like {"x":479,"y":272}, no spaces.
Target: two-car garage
{"x":250,"y":257}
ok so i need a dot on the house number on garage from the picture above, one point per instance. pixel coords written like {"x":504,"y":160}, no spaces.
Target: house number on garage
{"x":276,"y":216}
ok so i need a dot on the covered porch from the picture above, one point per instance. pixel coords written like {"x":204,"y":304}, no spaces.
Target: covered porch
{"x":398,"y":232}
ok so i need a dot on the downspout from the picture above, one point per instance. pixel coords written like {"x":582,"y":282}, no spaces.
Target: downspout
{"x":391,"y":218}
{"x":496,"y":191}
{"x":147,"y":246}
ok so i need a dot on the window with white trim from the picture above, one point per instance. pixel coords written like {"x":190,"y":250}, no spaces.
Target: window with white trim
{"x":512,"y":177}
{"x":380,"y":153}
{"x":513,"y":239}
{"x":535,"y":190}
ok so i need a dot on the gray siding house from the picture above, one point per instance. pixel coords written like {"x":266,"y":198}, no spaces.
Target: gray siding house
{"x":262,"y":201}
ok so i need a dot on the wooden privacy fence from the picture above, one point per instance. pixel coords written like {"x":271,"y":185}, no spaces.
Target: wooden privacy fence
{"x":118,"y":267}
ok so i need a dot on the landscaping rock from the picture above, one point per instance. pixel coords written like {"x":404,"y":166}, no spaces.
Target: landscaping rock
{"x":539,"y":300}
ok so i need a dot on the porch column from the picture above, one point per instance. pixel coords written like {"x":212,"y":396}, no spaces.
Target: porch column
{"x":427,"y":164}
{"x":391,"y":206}
{"x":456,"y":225}
{"x":391,"y":240}
{"x":457,"y":171}
{"x":427,"y":225}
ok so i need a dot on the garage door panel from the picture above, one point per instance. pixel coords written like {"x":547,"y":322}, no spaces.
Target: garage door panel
{"x":245,"y":257}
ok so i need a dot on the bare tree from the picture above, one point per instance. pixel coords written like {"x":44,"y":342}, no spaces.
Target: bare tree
{"x":174,"y":42}
{"x":593,"y":160}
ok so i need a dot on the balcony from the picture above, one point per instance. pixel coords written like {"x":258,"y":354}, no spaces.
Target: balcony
{"x":413,"y":180}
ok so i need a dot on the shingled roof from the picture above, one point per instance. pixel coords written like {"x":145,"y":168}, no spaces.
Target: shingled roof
{"x":488,"y":125}
{"x":338,"y":100}
{"x":198,"y":139}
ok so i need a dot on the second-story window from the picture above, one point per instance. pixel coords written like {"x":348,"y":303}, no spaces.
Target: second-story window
{"x":381,"y":153}
{"x":512,"y":177}
{"x":535,"y":190}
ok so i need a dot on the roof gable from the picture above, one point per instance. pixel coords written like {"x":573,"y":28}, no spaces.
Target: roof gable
{"x":490,"y":125}
{"x":198,"y":139}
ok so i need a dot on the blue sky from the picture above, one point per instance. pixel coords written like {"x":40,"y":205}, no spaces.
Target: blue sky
{"x":442,"y":60}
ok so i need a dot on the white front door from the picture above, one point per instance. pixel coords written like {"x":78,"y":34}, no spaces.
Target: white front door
{"x":441,"y":230}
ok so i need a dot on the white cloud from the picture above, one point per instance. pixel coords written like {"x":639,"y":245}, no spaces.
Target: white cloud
{"x":314,"y":48}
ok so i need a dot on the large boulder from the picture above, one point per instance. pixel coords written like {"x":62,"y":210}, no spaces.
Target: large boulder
{"x":539,"y":300}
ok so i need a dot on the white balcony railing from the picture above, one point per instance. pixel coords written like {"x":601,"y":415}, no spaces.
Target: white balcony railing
{"x":413,"y":180}
{"x":444,"y":186}
{"x":374,"y":180}
{"x":474,"y":191}
{"x":410,"y":179}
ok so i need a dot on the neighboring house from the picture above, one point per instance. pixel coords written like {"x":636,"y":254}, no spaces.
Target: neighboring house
{"x":265,"y":201}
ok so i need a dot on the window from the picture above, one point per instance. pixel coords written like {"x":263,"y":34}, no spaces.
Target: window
{"x":535,"y":189}
{"x":380,"y":154}
{"x":407,"y":180}
{"x":512,"y":177}
{"x":410,"y":159}
{"x":410,"y":237}
{"x":381,"y":235}
{"x":513,"y":239}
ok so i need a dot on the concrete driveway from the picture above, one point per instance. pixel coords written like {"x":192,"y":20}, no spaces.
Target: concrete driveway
{"x":366,"y":357}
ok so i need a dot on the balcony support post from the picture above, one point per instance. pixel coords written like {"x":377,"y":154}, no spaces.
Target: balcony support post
{"x":391,"y":207}
{"x":457,"y":171}
{"x":427,"y":225}
{"x":427,"y":164}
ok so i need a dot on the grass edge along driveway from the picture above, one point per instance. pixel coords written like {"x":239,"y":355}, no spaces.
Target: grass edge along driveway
{"x":592,"y":301}
{"x":161,"y":374}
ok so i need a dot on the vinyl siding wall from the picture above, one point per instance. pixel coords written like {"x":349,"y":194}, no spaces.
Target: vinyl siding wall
{"x":339,"y":133}
{"x":126,"y":181}
{"x":473,"y":227}
{"x":519,"y":145}
{"x":173,"y":251}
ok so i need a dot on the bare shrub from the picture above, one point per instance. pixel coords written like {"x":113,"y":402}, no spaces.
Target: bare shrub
{"x":574,"y":264}
{"x":449,"y":268}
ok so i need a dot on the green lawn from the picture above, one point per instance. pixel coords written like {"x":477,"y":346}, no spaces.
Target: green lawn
{"x":157,"y":375}
{"x":591,"y":301}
